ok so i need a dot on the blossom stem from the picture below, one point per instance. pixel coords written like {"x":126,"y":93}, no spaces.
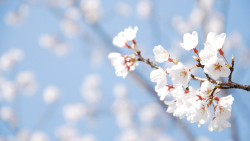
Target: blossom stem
{"x":196,"y":52}
{"x":193,"y":67}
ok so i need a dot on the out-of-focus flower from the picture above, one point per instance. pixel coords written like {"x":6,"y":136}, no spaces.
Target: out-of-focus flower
{"x":90,"y":89}
{"x":14,"y":18}
{"x":8,"y":90}
{"x":74,"y":112}
{"x":196,"y":17}
{"x":39,"y":136}
{"x":149,"y":112}
{"x":143,"y":9}
{"x":26,"y":81}
{"x":66,"y":133}
{"x":70,"y":28}
{"x":61,"y":3}
{"x":51,"y":94}
{"x":123,"y":9}
{"x":61,"y":49}
{"x":7,"y":114}
{"x":10,"y":58}
{"x":73,"y":13}
{"x":214,"y":24}
{"x":88,"y":137}
{"x":47,"y":41}
{"x":206,"y":5}
{"x":91,"y":10}
{"x":22,"y":135}
{"x":129,"y":135}
{"x":120,"y":91}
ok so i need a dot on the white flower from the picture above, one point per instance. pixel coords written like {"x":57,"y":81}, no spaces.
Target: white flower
{"x":70,"y":28}
{"x":216,"y":68}
{"x":116,"y":59}
{"x":218,"y":124}
{"x":26,"y":81}
{"x":143,"y":9}
{"x":10,"y":58}
{"x":74,"y":112}
{"x":130,"y":34}
{"x":199,"y":113}
{"x":190,"y":41}
{"x":61,"y":49}
{"x":216,"y":41}
{"x":171,"y":106}
{"x":47,"y":41}
{"x":180,"y":75}
{"x":159,"y":76}
{"x":161,"y":55}
{"x":123,"y":64}
{"x":51,"y":94}
{"x":91,"y":10}
{"x":206,"y":89}
{"x":207,"y":53}
{"x":223,"y":109}
{"x":39,"y":136}
{"x":120,"y":40}
{"x":8,"y":90}
{"x":163,"y":90}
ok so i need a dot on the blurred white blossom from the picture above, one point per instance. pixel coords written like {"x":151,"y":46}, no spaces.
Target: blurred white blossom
{"x":39,"y":136}
{"x":10,"y":58}
{"x":143,"y":9}
{"x":91,"y":10}
{"x":14,"y":18}
{"x":74,"y":112}
{"x":26,"y":81}
{"x":123,"y":9}
{"x":51,"y":94}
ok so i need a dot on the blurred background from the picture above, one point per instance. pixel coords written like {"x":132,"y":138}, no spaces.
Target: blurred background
{"x":57,"y":83}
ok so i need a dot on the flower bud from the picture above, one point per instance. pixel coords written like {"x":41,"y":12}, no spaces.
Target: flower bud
{"x":232,"y":59}
{"x":217,"y":86}
{"x":175,"y":60}
{"x":195,"y":58}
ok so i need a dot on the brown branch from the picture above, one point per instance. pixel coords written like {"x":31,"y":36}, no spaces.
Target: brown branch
{"x":231,"y":71}
{"x":147,"y":61}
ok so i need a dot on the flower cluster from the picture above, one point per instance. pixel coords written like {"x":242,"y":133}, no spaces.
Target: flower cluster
{"x":187,"y":102}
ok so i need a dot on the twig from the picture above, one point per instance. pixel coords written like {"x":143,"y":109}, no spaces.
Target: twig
{"x":147,"y":61}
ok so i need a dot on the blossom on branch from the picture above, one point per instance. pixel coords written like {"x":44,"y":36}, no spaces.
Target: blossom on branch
{"x":216,"y":68}
{"x":190,"y":41}
{"x":161,"y":55}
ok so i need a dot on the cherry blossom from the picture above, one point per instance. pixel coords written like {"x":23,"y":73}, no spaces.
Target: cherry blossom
{"x":206,"y":89}
{"x":130,"y":34}
{"x":223,"y":109}
{"x":123,"y":64}
{"x":216,"y":68}
{"x":161,"y":55}
{"x":190,"y":41}
{"x":206,"y":54}
{"x":51,"y":94}
{"x":180,"y":74}
{"x":216,"y":41}
{"x":120,"y":40}
{"x":159,"y":76}
{"x":186,"y":101}
{"x":218,"y":124}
